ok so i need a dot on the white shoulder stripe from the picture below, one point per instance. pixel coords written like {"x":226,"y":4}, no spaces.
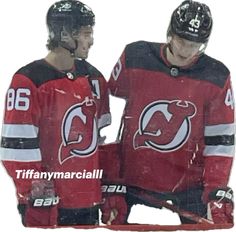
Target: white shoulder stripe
{"x":220,"y":150}
{"x":222,"y":129}
{"x":19,"y":131}
{"x":21,"y":155}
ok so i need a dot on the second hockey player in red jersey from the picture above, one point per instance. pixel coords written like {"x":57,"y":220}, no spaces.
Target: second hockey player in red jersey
{"x":54,"y":110}
{"x":177,"y":132}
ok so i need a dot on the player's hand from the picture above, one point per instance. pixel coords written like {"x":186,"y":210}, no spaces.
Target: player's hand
{"x":220,"y":207}
{"x":42,"y":205}
{"x":43,"y":194}
{"x":114,"y":210}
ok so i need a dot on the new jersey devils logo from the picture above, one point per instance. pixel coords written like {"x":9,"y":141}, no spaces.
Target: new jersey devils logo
{"x":164,"y":125}
{"x":78,"y":131}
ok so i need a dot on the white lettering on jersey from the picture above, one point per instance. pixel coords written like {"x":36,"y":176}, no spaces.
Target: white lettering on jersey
{"x":164,"y":125}
{"x":229,"y":99}
{"x":16,"y":99}
{"x":116,"y":70}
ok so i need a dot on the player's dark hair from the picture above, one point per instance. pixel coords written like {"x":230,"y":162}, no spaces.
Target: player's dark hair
{"x":52,"y":44}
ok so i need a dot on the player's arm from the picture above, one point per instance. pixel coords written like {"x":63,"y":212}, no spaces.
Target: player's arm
{"x":104,"y":115}
{"x":19,"y":144}
{"x":114,"y":207}
{"x":218,"y":154}
{"x":20,"y":150}
{"x":118,"y":83}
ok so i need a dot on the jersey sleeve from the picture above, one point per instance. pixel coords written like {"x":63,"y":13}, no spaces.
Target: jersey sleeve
{"x":20,"y":149}
{"x":104,"y":116}
{"x":118,"y":83}
{"x":219,"y":139}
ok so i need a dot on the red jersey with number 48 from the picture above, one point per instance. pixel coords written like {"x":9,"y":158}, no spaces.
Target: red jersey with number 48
{"x":51,"y":124}
{"x":178,"y":123}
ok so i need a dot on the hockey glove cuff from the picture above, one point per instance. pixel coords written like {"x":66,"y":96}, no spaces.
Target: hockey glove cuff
{"x":220,"y":206}
{"x":114,"y":209}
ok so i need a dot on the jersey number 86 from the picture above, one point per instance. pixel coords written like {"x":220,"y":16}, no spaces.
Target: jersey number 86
{"x":18,"y":99}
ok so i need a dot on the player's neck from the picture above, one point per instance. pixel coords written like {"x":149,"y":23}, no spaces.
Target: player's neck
{"x":60,"y":59}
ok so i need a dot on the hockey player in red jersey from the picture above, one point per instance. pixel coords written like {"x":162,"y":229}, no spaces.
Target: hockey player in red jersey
{"x":177,"y":132}
{"x":54,"y":110}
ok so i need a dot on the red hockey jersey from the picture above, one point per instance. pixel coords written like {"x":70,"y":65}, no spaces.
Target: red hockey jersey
{"x":51,"y":124}
{"x":178,"y":123}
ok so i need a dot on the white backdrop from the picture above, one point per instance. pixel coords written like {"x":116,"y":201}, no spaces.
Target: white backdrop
{"x":118,"y":22}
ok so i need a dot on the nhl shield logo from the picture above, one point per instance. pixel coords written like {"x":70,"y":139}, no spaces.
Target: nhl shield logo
{"x":164,"y":125}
